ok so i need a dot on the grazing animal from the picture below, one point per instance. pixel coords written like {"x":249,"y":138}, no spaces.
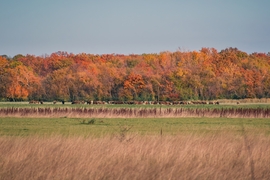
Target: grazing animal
{"x":90,"y":102}
{"x":76,"y":102}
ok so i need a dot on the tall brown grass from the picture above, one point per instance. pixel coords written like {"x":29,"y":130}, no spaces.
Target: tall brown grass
{"x":187,"y":156}
{"x":136,"y":112}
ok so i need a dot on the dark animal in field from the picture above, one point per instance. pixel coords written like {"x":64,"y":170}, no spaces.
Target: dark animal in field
{"x":118,"y":102}
{"x":89,"y":102}
{"x":130,"y":102}
{"x":96,"y":102}
{"x":76,"y":102}
{"x":183,"y":102}
{"x":110,"y":102}
{"x":213,"y":102}
{"x":138,"y":102}
{"x":199,"y":102}
{"x":176,"y":102}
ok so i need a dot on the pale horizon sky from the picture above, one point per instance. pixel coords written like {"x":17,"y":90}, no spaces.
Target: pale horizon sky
{"x":132,"y":27}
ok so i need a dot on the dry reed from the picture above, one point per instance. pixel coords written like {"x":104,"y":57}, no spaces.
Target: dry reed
{"x":136,"y":112}
{"x":217,"y":156}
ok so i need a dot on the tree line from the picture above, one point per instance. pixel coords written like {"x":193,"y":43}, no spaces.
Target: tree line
{"x":166,"y":76}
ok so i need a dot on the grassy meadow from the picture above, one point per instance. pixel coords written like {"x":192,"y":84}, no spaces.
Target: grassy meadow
{"x":69,"y":127}
{"x":133,"y":148}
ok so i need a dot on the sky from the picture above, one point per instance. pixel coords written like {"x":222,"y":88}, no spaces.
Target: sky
{"x":40,"y":27}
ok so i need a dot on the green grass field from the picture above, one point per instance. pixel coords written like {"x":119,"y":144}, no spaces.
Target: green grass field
{"x":142,"y":126}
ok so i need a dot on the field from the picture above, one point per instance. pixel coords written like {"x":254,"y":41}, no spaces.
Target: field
{"x":134,"y":148}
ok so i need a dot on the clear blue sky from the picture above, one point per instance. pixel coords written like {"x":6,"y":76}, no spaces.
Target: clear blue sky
{"x":41,"y":27}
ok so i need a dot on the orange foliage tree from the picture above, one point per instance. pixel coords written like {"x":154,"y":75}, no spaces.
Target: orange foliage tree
{"x":181,"y":75}
{"x":22,"y":83}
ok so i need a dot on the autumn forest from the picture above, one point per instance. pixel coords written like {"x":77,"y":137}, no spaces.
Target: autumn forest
{"x":166,"y":76}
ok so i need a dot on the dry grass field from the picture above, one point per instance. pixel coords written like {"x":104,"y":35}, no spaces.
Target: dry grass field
{"x":213,"y":156}
{"x":125,"y":112}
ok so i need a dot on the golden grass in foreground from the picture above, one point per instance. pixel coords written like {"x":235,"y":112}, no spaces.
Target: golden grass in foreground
{"x":204,"y":156}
